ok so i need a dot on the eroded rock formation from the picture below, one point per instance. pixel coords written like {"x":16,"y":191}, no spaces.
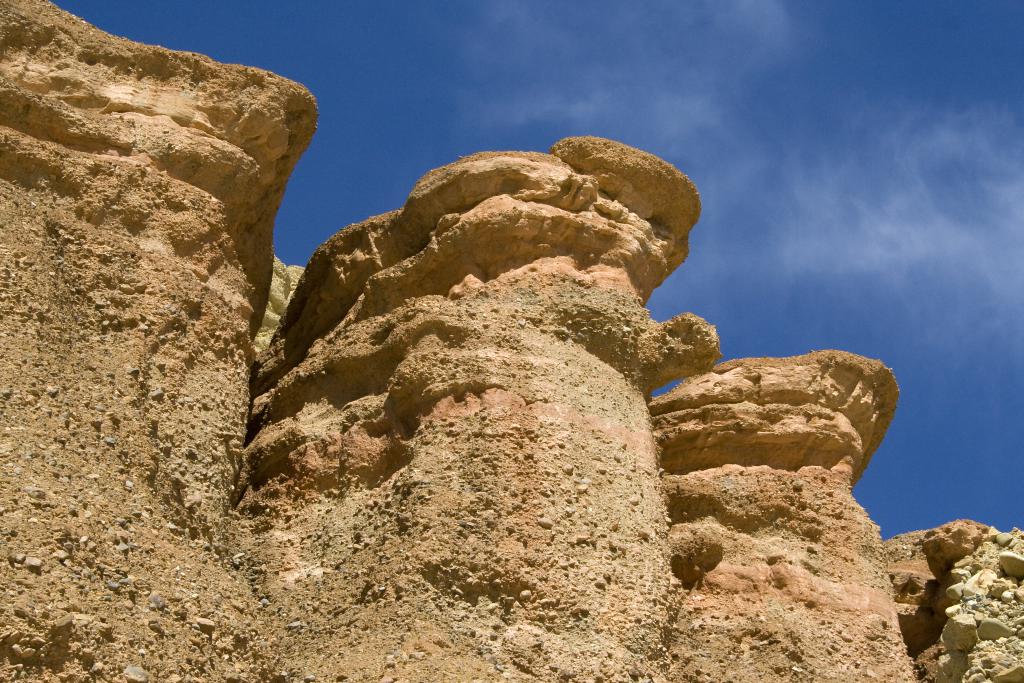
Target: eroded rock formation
{"x":446,"y":464}
{"x":138,"y":188}
{"x":982,"y":638}
{"x":469,"y":442}
{"x":919,"y":568}
{"x":780,"y":572}
{"x":961,"y":601}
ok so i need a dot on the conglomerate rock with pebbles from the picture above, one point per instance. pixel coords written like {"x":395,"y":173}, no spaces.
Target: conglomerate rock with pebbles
{"x":984,"y":635}
{"x":780,"y":575}
{"x":466,"y":450}
{"x":138,"y":188}
{"x":445,"y":465}
{"x":960,"y":593}
{"x":920,"y":568}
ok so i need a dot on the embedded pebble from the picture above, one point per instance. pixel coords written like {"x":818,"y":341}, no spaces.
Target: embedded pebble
{"x":986,"y":623}
{"x":205,"y":625}
{"x":1012,"y":674}
{"x":136,"y":674}
{"x":960,"y":633}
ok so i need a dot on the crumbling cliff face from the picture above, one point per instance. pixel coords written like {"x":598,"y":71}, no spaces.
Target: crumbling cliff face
{"x":446,"y":463}
{"x":138,"y":189}
{"x":468,"y":446}
{"x":983,"y":635}
{"x":961,"y":603}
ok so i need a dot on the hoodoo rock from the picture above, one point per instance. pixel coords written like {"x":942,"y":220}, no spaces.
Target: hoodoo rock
{"x":434,"y":455}
{"x":827,"y":409}
{"x":478,"y":423}
{"x":780,"y":575}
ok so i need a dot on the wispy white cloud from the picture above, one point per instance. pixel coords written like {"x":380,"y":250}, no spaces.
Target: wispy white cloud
{"x":916,"y":199}
{"x":663,"y":75}
{"x":919,"y":190}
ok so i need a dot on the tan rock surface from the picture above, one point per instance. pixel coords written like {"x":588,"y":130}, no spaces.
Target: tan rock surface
{"x":450,"y":467}
{"x":781,"y":575}
{"x":919,"y":601}
{"x":919,"y":566}
{"x":984,"y":638}
{"x":827,"y":408}
{"x":138,"y":188}
{"x":468,"y":445}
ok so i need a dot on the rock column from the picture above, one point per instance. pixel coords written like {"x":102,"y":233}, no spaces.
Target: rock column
{"x":780,"y":575}
{"x":459,"y":480}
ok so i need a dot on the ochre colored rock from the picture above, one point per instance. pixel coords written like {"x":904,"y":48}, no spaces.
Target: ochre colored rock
{"x":470,"y":440}
{"x":1013,"y":673}
{"x":920,"y":599}
{"x":799,"y":579}
{"x":569,"y":216}
{"x":952,"y":541}
{"x":780,"y":572}
{"x":444,"y":466}
{"x":826,"y":408}
{"x":918,"y":565}
{"x":138,"y":188}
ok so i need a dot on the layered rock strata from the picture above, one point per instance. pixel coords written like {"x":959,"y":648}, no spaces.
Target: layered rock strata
{"x":445,"y":463}
{"x":463,"y":458}
{"x":780,"y":575}
{"x":138,"y":188}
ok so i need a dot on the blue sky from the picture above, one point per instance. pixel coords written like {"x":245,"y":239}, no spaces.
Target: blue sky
{"x":861,"y":167}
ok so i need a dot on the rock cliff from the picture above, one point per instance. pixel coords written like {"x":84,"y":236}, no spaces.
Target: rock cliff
{"x":138,"y":188}
{"x":444,"y":462}
{"x":468,"y":445}
{"x":961,"y":601}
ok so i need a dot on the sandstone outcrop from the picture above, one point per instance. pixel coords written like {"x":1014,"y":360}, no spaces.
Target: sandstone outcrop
{"x":827,"y":409}
{"x":138,"y":188}
{"x":445,"y":464}
{"x":469,"y":442}
{"x":780,"y":573}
